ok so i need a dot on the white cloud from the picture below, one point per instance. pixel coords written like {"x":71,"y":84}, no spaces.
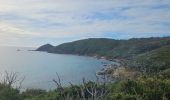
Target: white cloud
{"x":75,"y":19}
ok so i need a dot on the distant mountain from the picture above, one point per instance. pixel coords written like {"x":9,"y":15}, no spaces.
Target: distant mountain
{"x":45,"y":47}
{"x":108,"y":47}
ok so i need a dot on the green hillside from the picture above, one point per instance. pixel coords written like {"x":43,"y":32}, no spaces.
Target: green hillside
{"x":154,"y":61}
{"x":109,"y":47}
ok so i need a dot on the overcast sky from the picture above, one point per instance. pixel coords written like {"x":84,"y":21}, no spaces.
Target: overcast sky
{"x":37,"y":22}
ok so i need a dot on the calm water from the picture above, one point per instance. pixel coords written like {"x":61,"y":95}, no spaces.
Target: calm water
{"x":39,"y":68}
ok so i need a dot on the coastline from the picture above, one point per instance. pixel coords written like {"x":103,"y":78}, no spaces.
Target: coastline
{"x":107,"y":69}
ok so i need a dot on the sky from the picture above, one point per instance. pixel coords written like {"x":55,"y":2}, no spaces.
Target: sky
{"x":37,"y":22}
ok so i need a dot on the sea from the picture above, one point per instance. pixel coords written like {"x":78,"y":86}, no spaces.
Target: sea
{"x":39,"y":69}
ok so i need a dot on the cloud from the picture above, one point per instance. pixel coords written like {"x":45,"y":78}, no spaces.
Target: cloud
{"x":33,"y":22}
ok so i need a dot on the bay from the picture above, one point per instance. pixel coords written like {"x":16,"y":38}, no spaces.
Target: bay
{"x":39,"y":68}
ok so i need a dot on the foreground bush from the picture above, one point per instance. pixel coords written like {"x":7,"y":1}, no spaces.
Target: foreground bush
{"x":144,"y":88}
{"x":8,"y":93}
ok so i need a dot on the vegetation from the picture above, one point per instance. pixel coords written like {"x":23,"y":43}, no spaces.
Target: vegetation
{"x":155,"y":61}
{"x":108,"y":47}
{"x":144,"y":87}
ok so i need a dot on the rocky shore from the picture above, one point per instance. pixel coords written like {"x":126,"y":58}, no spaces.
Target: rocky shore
{"x":118,"y":70}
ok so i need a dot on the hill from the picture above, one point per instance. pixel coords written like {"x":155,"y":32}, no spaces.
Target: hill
{"x":154,"y":61}
{"x":45,"y":47}
{"x":108,"y":47}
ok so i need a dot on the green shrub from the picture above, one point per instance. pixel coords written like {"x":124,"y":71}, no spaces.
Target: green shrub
{"x":9,"y":93}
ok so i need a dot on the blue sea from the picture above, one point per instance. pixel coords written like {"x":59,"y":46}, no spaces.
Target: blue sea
{"x":39,"y":68}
